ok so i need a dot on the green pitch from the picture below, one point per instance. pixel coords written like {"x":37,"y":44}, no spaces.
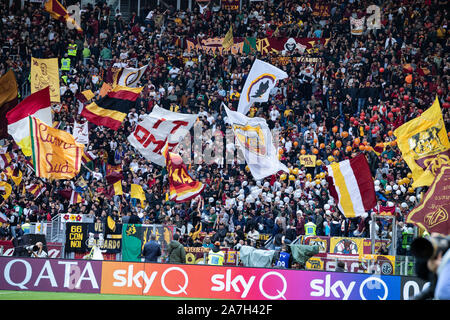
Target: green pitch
{"x":41,"y":295}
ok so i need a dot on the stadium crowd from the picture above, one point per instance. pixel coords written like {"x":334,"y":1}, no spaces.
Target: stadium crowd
{"x":349,"y":103}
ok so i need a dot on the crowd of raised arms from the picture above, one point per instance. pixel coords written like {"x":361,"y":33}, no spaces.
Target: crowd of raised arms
{"x":346,"y":102}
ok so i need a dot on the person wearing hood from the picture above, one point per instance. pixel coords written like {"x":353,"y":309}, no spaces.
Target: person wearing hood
{"x":177,"y":254}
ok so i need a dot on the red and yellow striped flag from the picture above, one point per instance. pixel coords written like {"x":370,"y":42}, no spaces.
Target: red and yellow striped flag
{"x":182,"y":187}
{"x":58,"y":12}
{"x":15,"y":174}
{"x":351,"y":185}
{"x":111,"y":110}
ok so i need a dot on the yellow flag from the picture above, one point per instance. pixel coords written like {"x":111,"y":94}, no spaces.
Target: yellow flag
{"x":44,"y":73}
{"x":88,"y":94}
{"x":137,"y":192}
{"x":6,"y":188}
{"x":8,"y":87}
{"x":307,"y":160}
{"x":228,"y":40}
{"x":118,"y":188}
{"x":424,"y":144}
{"x":15,"y":175}
{"x":56,"y":154}
{"x":111,"y":223}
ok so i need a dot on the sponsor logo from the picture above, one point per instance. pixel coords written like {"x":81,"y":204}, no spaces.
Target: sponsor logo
{"x":372,"y":288}
{"x":58,"y":275}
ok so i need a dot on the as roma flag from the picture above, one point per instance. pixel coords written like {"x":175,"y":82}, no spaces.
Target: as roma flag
{"x":8,"y":99}
{"x":111,"y":110}
{"x":58,"y":12}
{"x":424,"y":144}
{"x":182,"y":187}
{"x":432,"y":213}
{"x":55,"y":153}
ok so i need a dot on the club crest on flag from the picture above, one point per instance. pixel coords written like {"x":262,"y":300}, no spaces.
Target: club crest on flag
{"x":260,"y":81}
{"x":260,"y":85}
{"x":424,"y":145}
{"x":432,"y":219}
{"x":129,"y":77}
{"x":251,"y":137}
{"x":426,"y":142}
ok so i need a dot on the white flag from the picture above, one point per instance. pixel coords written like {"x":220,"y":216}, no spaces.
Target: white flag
{"x":357,"y":26}
{"x":260,"y":81}
{"x":254,"y":138}
{"x":129,"y":77}
{"x":157,"y":128}
{"x":81,"y":132}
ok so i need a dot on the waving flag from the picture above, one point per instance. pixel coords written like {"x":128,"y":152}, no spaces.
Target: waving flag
{"x":55,"y":153}
{"x":111,"y":110}
{"x":351,"y":185}
{"x":357,"y":26}
{"x":5,"y":159}
{"x":424,"y":144}
{"x":182,"y":187}
{"x":37,"y":105}
{"x":81,"y":132}
{"x":71,"y":195}
{"x":156,"y":129}
{"x":8,"y":99}
{"x":129,"y":77}
{"x":83,"y":98}
{"x":5,"y":189}
{"x":15,"y":174}
{"x":260,"y":81}
{"x":36,"y":189}
{"x":254,"y":138}
{"x":432,"y":213}
{"x":58,"y":12}
{"x":88,"y":156}
{"x":228,"y":40}
{"x":3,"y":218}
{"x":137,"y":192}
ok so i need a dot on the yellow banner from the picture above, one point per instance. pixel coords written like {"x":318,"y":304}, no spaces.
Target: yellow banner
{"x":8,"y":87}
{"x":346,"y":245}
{"x":228,"y":40}
{"x":45,"y":72}
{"x":420,"y":138}
{"x":308,"y":160}
{"x":56,"y":154}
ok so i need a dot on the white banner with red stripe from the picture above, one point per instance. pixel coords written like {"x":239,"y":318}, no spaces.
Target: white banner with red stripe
{"x":351,"y":185}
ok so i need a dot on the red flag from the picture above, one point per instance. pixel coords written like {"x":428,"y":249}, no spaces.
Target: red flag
{"x":58,"y":12}
{"x":432,"y":213}
{"x":182,"y":187}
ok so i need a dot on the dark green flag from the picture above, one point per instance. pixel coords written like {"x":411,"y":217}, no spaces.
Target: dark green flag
{"x":249,"y":45}
{"x":131,"y":242}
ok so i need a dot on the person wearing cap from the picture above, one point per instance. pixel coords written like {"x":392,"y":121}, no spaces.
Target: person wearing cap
{"x":310,"y":228}
{"x":215,"y":256}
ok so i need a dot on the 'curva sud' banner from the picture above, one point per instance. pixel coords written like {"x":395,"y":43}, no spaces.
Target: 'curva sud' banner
{"x":199,"y":281}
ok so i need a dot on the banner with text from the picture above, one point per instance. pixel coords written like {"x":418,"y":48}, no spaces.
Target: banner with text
{"x":277,"y":46}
